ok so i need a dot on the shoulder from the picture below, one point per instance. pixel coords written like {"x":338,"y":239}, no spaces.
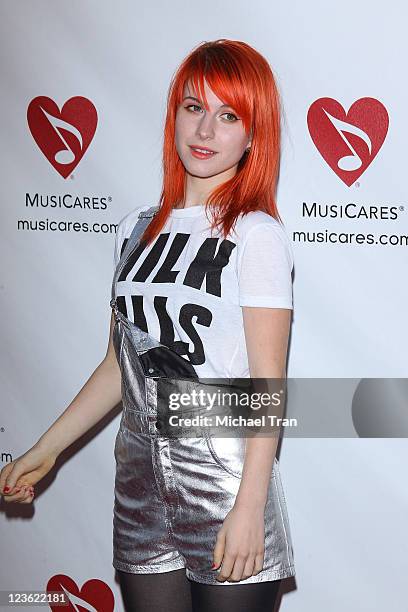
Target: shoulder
{"x":127,"y":223}
{"x":131,"y":217}
{"x":257,"y":219}
{"x":261,"y":232}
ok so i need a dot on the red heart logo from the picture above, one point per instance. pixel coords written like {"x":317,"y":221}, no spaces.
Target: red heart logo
{"x":348,"y":141}
{"x":95,"y":595}
{"x":63,"y":136}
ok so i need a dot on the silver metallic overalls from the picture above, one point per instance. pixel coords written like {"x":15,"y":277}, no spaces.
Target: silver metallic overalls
{"x":173,"y":494}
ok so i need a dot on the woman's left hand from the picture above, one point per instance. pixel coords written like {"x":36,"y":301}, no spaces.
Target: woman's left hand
{"x":240,"y":544}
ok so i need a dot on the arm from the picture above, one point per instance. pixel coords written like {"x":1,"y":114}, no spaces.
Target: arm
{"x":266,"y":335}
{"x":99,"y":395}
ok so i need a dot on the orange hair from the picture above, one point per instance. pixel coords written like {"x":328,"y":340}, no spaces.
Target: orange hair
{"x":242,"y":78}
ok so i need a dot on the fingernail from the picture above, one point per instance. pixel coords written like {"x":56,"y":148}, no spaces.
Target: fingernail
{"x":214,"y":565}
{"x":6,"y":489}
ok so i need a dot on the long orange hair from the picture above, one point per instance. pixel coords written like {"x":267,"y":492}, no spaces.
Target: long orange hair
{"x":242,"y":78}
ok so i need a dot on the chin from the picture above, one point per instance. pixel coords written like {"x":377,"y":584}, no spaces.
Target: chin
{"x":198,"y":174}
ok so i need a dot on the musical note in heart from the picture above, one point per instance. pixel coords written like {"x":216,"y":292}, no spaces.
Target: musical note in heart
{"x":67,"y":155}
{"x":63,"y":136}
{"x":353,"y":161}
{"x":348,"y":141}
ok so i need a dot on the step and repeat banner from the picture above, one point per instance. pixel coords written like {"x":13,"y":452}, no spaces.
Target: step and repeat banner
{"x":83,"y":100}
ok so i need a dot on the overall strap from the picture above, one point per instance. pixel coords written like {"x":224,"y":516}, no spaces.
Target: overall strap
{"x":144,"y":218}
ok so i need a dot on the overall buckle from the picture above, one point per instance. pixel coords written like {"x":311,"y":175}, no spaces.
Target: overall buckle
{"x":114,"y":307}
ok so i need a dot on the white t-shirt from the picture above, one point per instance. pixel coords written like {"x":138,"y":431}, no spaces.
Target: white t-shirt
{"x":186,"y":289}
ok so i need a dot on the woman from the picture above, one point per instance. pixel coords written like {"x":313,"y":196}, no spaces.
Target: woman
{"x":202,"y":289}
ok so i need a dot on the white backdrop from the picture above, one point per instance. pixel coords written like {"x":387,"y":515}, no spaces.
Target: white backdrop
{"x":346,"y":503}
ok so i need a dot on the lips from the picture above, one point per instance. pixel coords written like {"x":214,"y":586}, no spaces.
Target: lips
{"x":202,"y":148}
{"x":202,"y":152}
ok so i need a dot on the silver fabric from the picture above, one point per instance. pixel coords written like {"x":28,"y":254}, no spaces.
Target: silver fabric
{"x":172,"y":494}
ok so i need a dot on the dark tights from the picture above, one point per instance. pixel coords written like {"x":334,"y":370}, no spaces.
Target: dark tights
{"x":174,"y":592}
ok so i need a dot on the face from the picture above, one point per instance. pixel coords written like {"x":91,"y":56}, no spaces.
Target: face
{"x":219,"y":129}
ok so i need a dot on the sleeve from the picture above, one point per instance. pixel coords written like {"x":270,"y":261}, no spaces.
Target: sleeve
{"x":265,"y":263}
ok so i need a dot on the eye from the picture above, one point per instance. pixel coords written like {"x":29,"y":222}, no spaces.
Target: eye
{"x":232,"y":115}
{"x":192,"y":106}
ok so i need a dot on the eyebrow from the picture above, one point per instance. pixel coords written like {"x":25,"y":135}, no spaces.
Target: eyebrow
{"x":197,"y":100}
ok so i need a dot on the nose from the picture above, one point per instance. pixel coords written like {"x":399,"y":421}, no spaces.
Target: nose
{"x":205,"y":128}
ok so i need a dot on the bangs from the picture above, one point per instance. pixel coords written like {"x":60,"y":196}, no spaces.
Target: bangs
{"x":222,"y":75}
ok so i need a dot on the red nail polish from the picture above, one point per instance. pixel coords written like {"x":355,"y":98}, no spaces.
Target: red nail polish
{"x":6,"y":489}
{"x":214,"y":565}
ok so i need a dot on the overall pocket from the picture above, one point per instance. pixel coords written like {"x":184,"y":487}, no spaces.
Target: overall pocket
{"x":228,"y":453}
